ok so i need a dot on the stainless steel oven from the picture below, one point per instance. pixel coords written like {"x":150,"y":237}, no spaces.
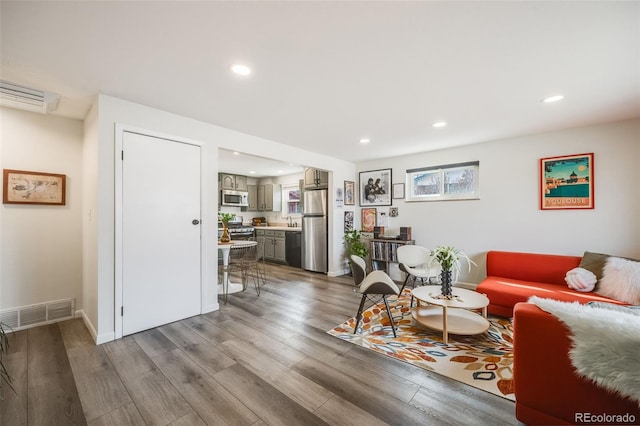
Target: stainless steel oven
{"x":238,"y":231}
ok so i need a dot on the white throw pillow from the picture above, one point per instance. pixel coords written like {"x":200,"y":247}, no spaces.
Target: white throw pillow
{"x":621,"y":280}
{"x":580,"y":279}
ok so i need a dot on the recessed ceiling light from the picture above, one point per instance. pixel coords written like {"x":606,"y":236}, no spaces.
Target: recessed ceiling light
{"x":253,"y":172}
{"x":365,"y":140}
{"x":280,"y":171}
{"x":236,"y":153}
{"x":551,"y":99}
{"x":439,"y":124}
{"x":241,"y":69}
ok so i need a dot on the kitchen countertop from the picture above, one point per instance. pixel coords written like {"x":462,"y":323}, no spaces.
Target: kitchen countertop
{"x":279,"y":228}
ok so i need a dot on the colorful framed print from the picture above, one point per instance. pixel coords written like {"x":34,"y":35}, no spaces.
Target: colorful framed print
{"x":567,"y":182}
{"x":23,"y":187}
{"x":375,"y":188}
{"x":368,"y":219}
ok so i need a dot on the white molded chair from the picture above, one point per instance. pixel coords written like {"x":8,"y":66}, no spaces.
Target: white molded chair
{"x":417,"y":263}
{"x":374,"y":283}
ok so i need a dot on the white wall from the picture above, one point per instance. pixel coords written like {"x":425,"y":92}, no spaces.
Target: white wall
{"x":508,"y":217}
{"x":89,"y":218}
{"x":41,"y":246}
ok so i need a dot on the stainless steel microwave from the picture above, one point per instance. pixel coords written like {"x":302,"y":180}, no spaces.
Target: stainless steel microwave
{"x":234,"y":198}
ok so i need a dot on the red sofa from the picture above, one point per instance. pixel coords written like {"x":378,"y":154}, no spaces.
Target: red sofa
{"x":547,"y":389}
{"x":513,"y":277}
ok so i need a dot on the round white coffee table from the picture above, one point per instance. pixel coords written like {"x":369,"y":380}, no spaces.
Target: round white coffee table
{"x":451,"y":315}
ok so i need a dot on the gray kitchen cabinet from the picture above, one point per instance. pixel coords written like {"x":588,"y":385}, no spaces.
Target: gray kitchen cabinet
{"x":253,"y":198}
{"x":260,"y":197}
{"x":315,"y":179}
{"x":280,"y":252}
{"x":269,"y":246}
{"x":274,"y":245}
{"x":268,"y":198}
{"x":233,"y":182}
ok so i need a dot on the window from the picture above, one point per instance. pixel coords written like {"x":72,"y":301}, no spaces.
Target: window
{"x":447,"y":182}
{"x":291,"y":197}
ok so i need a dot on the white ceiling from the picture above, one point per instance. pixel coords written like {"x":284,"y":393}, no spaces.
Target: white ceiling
{"x":250,"y":165}
{"x":326,"y":74}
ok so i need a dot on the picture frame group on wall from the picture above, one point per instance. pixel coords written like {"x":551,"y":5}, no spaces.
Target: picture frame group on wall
{"x":375,"y":188}
{"x":566,"y":182}
{"x":26,"y":187}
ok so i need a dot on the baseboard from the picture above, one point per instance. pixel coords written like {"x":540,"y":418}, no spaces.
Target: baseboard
{"x":98,"y":339}
{"x":211,"y":308}
{"x":106,"y":337}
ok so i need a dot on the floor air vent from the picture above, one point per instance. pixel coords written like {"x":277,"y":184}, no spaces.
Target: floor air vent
{"x":39,"y":314}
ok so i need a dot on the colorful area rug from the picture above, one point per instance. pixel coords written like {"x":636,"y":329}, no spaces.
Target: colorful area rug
{"x":484,"y":361}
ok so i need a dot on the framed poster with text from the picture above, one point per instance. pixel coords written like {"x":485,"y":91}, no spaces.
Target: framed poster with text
{"x":567,"y":182}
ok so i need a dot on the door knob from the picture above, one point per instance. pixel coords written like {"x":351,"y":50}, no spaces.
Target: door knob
{"x":195,"y":221}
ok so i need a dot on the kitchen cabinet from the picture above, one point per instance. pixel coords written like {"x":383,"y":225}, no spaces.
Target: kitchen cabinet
{"x":280,"y":252}
{"x":253,"y":198}
{"x":268,"y":198}
{"x":233,"y":182}
{"x":274,"y":245}
{"x":315,"y":179}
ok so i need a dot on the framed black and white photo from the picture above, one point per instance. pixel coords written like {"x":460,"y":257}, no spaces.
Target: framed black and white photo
{"x":348,"y":221}
{"x":375,"y":188}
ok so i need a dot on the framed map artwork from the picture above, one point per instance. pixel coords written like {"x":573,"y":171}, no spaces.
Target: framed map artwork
{"x":23,"y":187}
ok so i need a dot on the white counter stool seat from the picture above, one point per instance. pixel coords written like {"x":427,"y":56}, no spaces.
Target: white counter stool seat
{"x":375,"y":283}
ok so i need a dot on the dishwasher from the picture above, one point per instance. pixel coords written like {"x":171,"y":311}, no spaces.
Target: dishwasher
{"x":293,"y":248}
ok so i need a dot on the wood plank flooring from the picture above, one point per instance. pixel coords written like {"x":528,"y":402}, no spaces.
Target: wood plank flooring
{"x":263,"y":360}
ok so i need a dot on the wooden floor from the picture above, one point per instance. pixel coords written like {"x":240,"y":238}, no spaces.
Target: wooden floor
{"x":257,"y":361}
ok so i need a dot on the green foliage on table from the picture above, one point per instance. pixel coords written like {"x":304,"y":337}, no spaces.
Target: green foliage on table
{"x":353,"y":244}
{"x":225,"y":217}
{"x":450,"y":259}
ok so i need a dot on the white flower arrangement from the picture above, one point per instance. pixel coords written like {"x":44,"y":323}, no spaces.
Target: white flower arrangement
{"x":450,"y":259}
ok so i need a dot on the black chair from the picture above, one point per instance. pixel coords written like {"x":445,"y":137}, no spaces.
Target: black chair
{"x":375,"y":283}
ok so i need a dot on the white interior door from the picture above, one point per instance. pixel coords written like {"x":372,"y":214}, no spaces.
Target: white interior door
{"x":160,"y":232}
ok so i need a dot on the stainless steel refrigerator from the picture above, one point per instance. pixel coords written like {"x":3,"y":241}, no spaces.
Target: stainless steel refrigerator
{"x":314,"y":230}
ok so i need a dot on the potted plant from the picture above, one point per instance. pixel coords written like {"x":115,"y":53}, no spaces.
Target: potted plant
{"x":353,"y":245}
{"x":225,"y":218}
{"x":450,"y":260}
{"x":4,"y":346}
